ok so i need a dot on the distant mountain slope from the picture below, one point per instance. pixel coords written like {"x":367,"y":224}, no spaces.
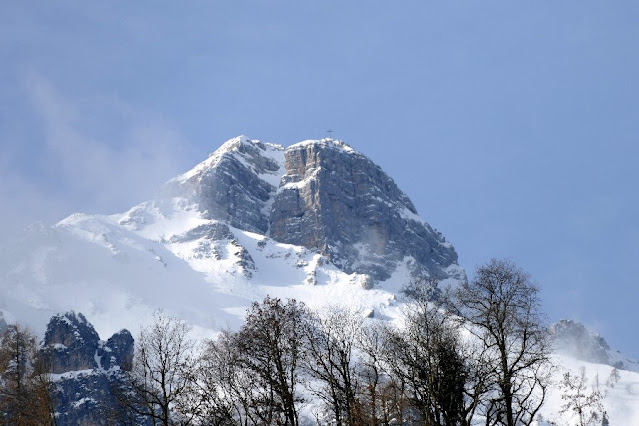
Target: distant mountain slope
{"x":317,"y":221}
{"x":574,"y":340}
{"x":322,"y":195}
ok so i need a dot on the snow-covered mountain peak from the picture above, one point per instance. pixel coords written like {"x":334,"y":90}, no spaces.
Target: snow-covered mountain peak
{"x":317,"y":221}
{"x":251,"y":153}
{"x":319,"y":194}
{"x":239,"y":142}
{"x":573,"y":339}
{"x":326,"y":143}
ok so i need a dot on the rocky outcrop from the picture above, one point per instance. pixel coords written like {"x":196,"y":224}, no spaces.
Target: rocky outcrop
{"x":71,"y":343}
{"x":337,"y":201}
{"x":87,"y":369}
{"x":3,"y":324}
{"x":117,"y":351}
{"x":89,"y":398}
{"x":322,"y":195}
{"x":573,"y":339}
{"x":212,"y":231}
{"x":215,"y":240}
{"x":235,"y":184}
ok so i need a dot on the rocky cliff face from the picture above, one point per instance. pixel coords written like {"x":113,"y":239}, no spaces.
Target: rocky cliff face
{"x":235,"y":184}
{"x":322,"y":195}
{"x":3,"y":324}
{"x":572,"y":338}
{"x":117,"y":352}
{"x":71,"y":343}
{"x":337,"y":201}
{"x":86,"y":369}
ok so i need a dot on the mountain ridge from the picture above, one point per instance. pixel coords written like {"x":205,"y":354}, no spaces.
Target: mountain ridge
{"x":252,"y":220}
{"x":320,"y":194}
{"x":209,"y":232}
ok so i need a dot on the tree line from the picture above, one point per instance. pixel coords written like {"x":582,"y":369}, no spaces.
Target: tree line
{"x":25,"y":386}
{"x":476,"y":355}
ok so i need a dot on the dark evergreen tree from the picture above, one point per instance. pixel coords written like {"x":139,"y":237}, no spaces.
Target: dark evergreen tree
{"x":25,"y":397}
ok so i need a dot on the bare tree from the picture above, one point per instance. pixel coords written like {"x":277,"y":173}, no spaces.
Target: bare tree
{"x":502,"y":309}
{"x":227,"y":391}
{"x":25,"y":384}
{"x":613,"y":378}
{"x":378,"y":402}
{"x":161,"y":378}
{"x":270,"y":347}
{"x":585,"y":402}
{"x":426,"y":355}
{"x":331,"y":336}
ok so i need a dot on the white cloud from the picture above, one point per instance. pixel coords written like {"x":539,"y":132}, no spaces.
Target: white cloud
{"x":91,"y":154}
{"x":103,"y":150}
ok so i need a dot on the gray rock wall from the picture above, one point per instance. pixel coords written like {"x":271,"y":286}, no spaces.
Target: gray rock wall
{"x":3,"y":324}
{"x":117,"y":351}
{"x":322,"y":195}
{"x":71,"y":343}
{"x":86,"y":396}
{"x":337,"y":201}
{"x":231,"y":189}
{"x":574,"y":339}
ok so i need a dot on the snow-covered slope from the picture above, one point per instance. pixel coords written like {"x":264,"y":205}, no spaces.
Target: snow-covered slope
{"x":117,"y":276}
{"x":93,"y":265}
{"x":202,"y":251}
{"x":252,"y":220}
{"x":572,"y":339}
{"x":620,"y":396}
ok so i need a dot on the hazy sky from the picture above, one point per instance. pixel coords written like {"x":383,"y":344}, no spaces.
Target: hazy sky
{"x":513,"y":126}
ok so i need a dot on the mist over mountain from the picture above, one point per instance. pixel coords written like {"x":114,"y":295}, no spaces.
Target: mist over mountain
{"x":316,"y":221}
{"x":321,"y":195}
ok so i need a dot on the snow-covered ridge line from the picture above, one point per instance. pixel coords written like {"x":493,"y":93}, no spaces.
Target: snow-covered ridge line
{"x":119,"y":266}
{"x":326,"y":143}
{"x":205,"y":266}
{"x":230,"y":147}
{"x":275,"y":151}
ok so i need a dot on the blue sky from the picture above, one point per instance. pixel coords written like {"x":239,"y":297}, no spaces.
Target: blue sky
{"x":513,"y":126}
